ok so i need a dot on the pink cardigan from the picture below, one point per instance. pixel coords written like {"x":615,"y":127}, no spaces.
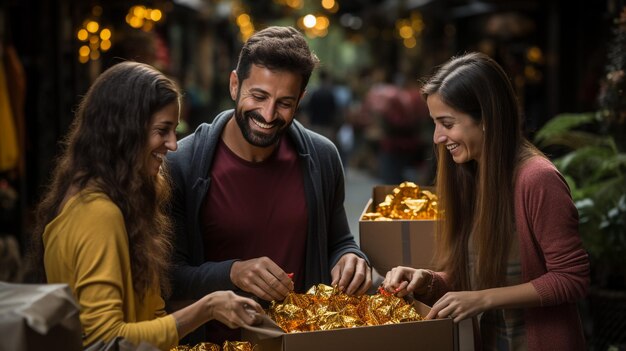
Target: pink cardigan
{"x":552,"y":256}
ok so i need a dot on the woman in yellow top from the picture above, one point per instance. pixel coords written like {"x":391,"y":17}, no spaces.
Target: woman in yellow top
{"x":101,"y":226}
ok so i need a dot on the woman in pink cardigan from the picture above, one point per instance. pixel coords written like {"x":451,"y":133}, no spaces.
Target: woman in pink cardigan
{"x":509,"y":251}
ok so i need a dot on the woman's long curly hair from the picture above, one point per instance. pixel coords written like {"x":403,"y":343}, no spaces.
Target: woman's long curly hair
{"x":106,"y":151}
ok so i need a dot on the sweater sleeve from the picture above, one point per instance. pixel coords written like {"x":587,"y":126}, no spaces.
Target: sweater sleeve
{"x":551,"y":248}
{"x":340,"y":239}
{"x":103,"y":283}
{"x":438,"y":287}
{"x":192,"y":277}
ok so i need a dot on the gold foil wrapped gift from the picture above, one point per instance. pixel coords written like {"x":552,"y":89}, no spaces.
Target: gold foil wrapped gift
{"x":207,"y":346}
{"x":324,"y":308}
{"x":407,"y":201}
{"x":237,"y":346}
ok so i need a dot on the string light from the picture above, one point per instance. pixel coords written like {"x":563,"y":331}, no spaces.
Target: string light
{"x":94,"y":37}
{"x":410,"y":29}
{"x":243,"y":20}
{"x":144,"y":18}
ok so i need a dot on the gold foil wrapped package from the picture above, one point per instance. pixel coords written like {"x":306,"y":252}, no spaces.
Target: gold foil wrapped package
{"x":205,"y":346}
{"x":328,"y":308}
{"x":288,"y":316}
{"x":322,"y":291}
{"x":237,"y":346}
{"x":407,"y":201}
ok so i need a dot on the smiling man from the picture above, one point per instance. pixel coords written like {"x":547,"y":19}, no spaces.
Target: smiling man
{"x":256,"y":195}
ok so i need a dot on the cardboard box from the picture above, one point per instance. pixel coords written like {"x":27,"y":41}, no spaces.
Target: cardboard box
{"x":39,"y":317}
{"x":435,"y":335}
{"x":395,"y":243}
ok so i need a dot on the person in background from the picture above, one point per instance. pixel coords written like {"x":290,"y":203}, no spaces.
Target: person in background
{"x":256,"y":195}
{"x":322,"y":108}
{"x":509,"y":249}
{"x":101,"y":226}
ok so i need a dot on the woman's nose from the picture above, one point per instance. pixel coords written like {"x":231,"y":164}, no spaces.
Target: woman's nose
{"x":439,"y":137}
{"x":171,"y":143}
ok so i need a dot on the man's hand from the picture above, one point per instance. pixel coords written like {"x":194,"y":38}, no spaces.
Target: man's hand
{"x":261,"y":277}
{"x":352,"y":274}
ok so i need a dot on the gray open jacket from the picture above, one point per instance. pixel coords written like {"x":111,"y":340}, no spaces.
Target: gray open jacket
{"x":328,"y":233}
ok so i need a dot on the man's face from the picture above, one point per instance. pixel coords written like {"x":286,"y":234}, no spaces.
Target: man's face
{"x":266,"y":104}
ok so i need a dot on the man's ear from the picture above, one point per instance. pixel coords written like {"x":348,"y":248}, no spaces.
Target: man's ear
{"x":234,"y":85}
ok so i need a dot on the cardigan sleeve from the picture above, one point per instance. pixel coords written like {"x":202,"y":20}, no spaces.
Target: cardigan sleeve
{"x":550,"y":246}
{"x":438,"y":287}
{"x":103,"y":281}
{"x":340,"y":238}
{"x":192,"y":277}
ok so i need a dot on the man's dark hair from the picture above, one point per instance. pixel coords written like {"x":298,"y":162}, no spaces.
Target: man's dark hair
{"x":277,"y":48}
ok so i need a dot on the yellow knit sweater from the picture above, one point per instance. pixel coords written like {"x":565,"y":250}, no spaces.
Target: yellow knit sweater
{"x":86,"y":246}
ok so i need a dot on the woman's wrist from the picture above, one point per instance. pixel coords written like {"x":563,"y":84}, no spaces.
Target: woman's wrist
{"x":426,"y":289}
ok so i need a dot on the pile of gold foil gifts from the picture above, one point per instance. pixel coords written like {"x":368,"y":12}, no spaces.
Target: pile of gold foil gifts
{"x":324,"y":308}
{"x":407,"y":201}
{"x":207,"y":346}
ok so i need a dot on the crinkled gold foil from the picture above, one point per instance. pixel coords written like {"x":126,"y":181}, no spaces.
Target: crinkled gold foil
{"x":227,"y":346}
{"x":406,"y":201}
{"x":299,"y":300}
{"x":329,"y":308}
{"x":288,"y":316}
{"x":205,"y":346}
{"x":237,"y":346}
{"x":405,"y":313}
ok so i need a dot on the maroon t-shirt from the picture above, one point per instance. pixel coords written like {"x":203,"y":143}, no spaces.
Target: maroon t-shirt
{"x":257,"y":209}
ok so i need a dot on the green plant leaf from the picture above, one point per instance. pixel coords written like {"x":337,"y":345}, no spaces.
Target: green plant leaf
{"x":562,"y":123}
{"x":586,"y":164}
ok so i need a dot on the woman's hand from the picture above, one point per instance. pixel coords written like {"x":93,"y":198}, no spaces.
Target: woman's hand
{"x":405,"y":280}
{"x":224,"y":306}
{"x":459,"y":305}
{"x":233,"y":310}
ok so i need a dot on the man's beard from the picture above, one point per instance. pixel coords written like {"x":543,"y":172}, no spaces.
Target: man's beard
{"x":256,"y":138}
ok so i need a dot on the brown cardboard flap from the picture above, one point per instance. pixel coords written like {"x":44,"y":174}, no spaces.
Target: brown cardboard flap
{"x":267,"y":329}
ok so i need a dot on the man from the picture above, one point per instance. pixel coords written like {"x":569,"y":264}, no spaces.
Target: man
{"x":256,"y":195}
